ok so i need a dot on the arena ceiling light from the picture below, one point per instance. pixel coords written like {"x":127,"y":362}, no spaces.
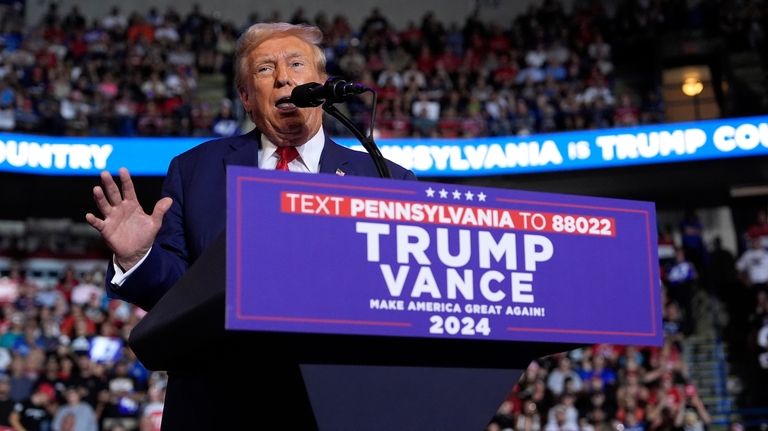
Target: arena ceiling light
{"x":692,"y":86}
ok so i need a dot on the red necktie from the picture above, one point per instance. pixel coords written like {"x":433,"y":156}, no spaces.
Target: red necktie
{"x":287,"y":155}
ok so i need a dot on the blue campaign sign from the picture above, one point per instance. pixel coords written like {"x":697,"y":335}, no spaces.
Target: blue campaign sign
{"x":366,"y":256}
{"x":507,"y":155}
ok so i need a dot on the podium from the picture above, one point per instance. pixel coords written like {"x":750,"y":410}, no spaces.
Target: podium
{"x":341,"y":378}
{"x":342,"y":381}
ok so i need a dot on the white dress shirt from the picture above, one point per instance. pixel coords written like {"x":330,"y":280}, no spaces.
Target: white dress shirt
{"x":309,"y":154}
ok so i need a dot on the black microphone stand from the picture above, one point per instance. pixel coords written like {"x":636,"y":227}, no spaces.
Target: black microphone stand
{"x":367,"y":141}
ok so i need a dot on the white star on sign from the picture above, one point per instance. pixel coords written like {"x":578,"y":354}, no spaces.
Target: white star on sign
{"x":456,"y":194}
{"x":481,"y":197}
{"x":430,"y":192}
{"x":469,"y":195}
{"x":443,"y":193}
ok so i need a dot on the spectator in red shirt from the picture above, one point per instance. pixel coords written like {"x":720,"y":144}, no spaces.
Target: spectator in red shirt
{"x":449,"y":125}
{"x":425,"y":60}
{"x":139,"y":29}
{"x":77,"y":322}
{"x":67,"y":282}
{"x":498,"y":42}
{"x":626,"y":113}
{"x":758,"y":229}
{"x":506,"y":70}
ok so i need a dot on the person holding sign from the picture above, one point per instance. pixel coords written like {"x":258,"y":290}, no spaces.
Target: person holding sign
{"x":152,"y":251}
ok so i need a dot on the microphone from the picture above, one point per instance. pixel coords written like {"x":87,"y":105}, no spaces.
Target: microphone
{"x":333,"y":91}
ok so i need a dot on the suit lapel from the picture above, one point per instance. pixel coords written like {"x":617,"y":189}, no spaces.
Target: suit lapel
{"x":333,"y":160}
{"x":243,"y":152}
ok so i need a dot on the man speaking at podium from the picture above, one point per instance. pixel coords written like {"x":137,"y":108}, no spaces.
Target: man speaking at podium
{"x":152,"y":251}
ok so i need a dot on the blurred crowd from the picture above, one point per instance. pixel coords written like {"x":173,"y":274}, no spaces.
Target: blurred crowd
{"x":64,"y":364}
{"x":133,"y":73}
{"x":605,"y":388}
{"x":63,"y":358}
{"x":621,"y":388}
{"x":739,"y":283}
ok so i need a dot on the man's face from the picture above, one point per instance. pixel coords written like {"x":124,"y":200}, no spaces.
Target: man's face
{"x":275,"y":68}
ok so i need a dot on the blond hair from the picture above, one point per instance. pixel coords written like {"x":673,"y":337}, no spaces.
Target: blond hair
{"x":257,"y":34}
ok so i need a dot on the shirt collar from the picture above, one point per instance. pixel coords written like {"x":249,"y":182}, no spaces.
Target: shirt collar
{"x":309,"y":153}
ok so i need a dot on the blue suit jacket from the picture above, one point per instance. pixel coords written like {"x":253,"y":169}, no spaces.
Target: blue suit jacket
{"x":196,"y":181}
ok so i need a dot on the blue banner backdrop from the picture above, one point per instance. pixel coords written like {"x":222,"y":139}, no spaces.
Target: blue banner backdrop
{"x":589,"y":149}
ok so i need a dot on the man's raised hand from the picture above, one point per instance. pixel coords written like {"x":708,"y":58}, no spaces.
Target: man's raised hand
{"x":125,"y":227}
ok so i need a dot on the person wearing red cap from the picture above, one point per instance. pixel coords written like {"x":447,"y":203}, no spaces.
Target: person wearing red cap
{"x":34,"y":414}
